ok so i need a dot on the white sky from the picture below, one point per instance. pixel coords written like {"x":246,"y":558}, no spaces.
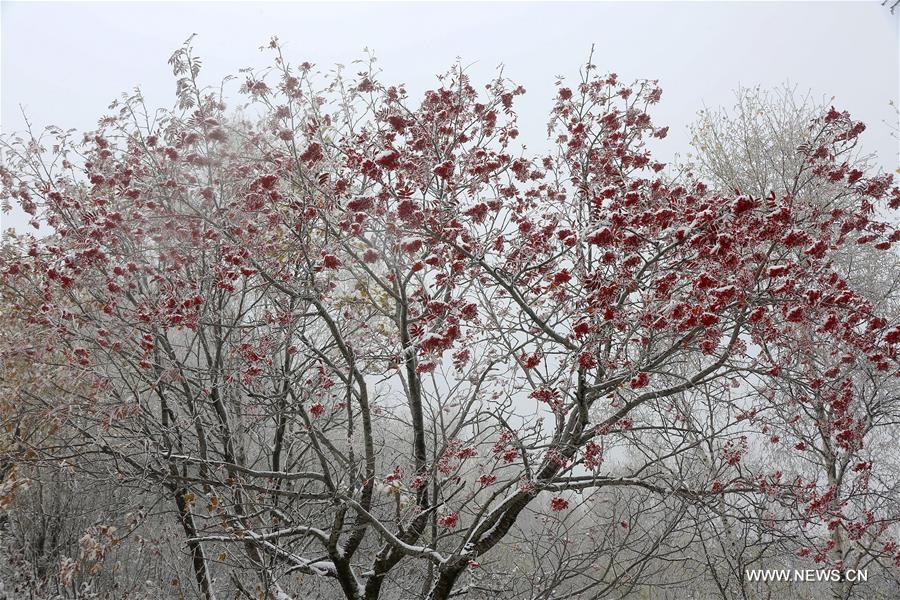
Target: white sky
{"x":64,"y":62}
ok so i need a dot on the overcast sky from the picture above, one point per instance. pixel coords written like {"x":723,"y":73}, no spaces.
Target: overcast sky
{"x":64,"y":62}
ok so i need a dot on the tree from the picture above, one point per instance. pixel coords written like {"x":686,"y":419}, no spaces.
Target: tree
{"x":752,"y":148}
{"x":361,"y":346}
